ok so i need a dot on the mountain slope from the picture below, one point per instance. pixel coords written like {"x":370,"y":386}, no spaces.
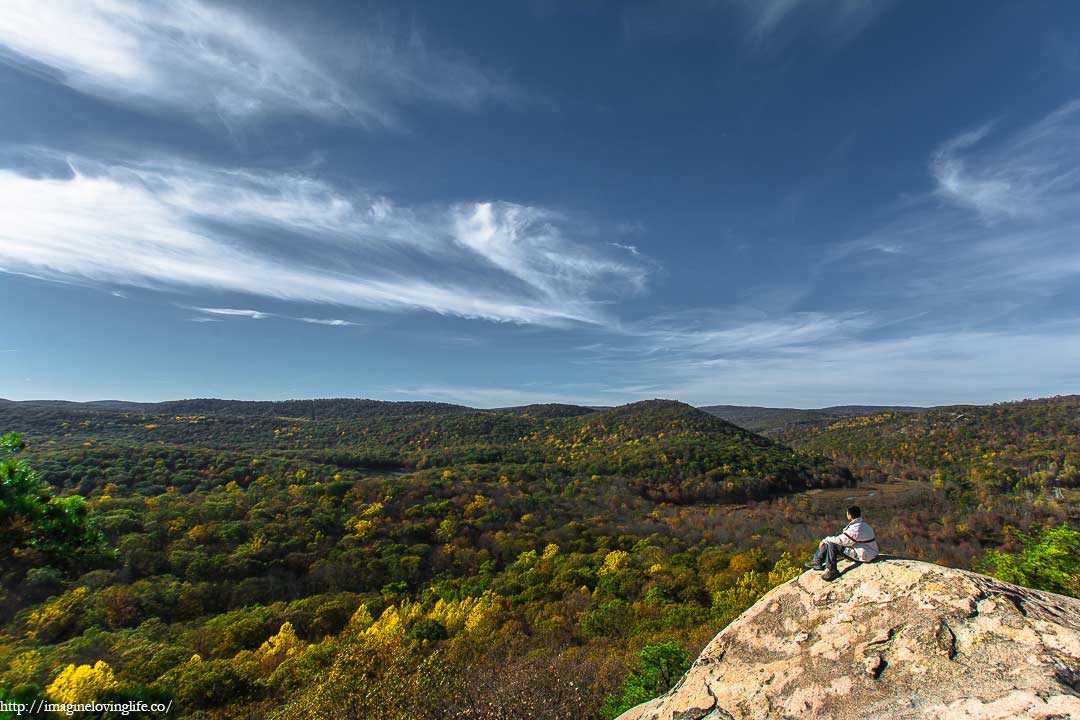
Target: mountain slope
{"x":773,"y":420}
{"x":669,"y":451}
{"x":1036,"y":442}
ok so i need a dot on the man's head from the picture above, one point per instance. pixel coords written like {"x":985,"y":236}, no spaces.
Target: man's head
{"x":853,"y":512}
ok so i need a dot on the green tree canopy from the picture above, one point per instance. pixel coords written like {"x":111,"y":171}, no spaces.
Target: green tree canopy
{"x":35,"y":526}
{"x":1049,"y":560}
{"x":659,"y":667}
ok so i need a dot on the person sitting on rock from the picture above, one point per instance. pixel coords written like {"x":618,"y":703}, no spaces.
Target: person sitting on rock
{"x":856,"y":542}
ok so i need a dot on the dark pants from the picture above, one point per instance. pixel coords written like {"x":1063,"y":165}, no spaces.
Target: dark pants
{"x":828,"y":553}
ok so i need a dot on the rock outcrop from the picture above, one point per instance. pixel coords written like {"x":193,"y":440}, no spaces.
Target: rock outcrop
{"x":890,"y":639}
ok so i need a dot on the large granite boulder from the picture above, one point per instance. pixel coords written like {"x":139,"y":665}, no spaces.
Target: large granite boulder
{"x":889,"y":639}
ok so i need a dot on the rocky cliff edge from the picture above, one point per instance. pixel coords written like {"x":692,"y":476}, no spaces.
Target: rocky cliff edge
{"x":889,"y":639}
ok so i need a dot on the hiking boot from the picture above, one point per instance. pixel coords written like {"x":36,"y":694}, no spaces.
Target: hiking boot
{"x":830,"y":575}
{"x":813,"y":566}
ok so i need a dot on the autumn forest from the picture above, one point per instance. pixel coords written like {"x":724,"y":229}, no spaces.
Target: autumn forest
{"x":360,"y":559}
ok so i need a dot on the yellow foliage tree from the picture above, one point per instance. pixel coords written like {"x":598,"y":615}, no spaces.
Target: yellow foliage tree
{"x":82,"y":683}
{"x":358,"y":528}
{"x":278,"y":647}
{"x":24,"y":667}
{"x":473,"y":614}
{"x":53,"y":618}
{"x":393,"y":622}
{"x":613,"y":562}
{"x":361,"y":620}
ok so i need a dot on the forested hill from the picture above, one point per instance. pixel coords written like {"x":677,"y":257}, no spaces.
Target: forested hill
{"x":317,"y":408}
{"x":547,"y":410}
{"x":672,"y":451}
{"x":756,"y":419}
{"x":429,"y":560}
{"x":258,"y":564}
{"x":1032,"y":442}
{"x":771,"y":421}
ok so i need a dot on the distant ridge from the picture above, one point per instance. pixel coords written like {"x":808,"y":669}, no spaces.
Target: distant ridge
{"x":768,"y":420}
{"x":663,"y":450}
{"x":661,"y":415}
{"x":546,"y":410}
{"x":320,"y":407}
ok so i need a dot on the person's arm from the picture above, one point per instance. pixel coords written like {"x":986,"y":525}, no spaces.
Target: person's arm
{"x":842,"y":539}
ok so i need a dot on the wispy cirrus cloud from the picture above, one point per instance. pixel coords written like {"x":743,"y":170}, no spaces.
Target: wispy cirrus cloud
{"x":921,"y":369}
{"x":223,"y":62}
{"x":525,"y":243}
{"x":172,"y":224}
{"x":1001,"y":218}
{"x":632,"y":249}
{"x":817,"y":360}
{"x":261,"y":315}
{"x":500,"y":397}
{"x":973,"y":285}
{"x":1031,"y":174}
{"x":333,"y":322}
{"x":235,"y":312}
{"x":673,"y":353}
{"x":709,"y":333}
{"x":835,"y":363}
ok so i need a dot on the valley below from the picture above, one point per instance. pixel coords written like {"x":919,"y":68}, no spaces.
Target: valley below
{"x":364,"y":559}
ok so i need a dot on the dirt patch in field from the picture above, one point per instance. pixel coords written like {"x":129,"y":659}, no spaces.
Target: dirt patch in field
{"x":884,"y":489}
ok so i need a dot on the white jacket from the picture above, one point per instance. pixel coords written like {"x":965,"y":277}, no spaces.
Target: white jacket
{"x":858,"y":540}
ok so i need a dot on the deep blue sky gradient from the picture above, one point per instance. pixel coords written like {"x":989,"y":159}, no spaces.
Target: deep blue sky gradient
{"x":838,"y":203}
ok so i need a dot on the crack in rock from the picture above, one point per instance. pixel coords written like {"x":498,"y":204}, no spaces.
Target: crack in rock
{"x":875,"y":665}
{"x":701,"y":713}
{"x":1068,"y":676}
{"x":887,"y":639}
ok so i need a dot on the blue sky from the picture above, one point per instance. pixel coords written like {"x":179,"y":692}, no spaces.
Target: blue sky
{"x":776,"y":202}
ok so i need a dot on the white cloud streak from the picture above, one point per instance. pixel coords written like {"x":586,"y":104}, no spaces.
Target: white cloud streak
{"x":525,"y":243}
{"x":232,"y":312}
{"x":1030,"y":175}
{"x":964,"y":271}
{"x":814,"y":360}
{"x":217,"y":62}
{"x":999,"y":226}
{"x":180,"y":225}
{"x":926,"y":369}
{"x":632,"y":249}
{"x":260,"y":315}
{"x":495,"y":397}
{"x":334,"y":322}
{"x":689,"y":336}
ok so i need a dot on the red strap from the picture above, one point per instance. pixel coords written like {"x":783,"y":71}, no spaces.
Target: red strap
{"x":857,"y":540}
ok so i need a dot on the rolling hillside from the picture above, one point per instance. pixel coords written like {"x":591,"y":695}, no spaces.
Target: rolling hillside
{"x":1001,"y":447}
{"x":770,"y":421}
{"x":422,"y":557}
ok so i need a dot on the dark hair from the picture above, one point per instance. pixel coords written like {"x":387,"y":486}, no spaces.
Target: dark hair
{"x":854,"y":512}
